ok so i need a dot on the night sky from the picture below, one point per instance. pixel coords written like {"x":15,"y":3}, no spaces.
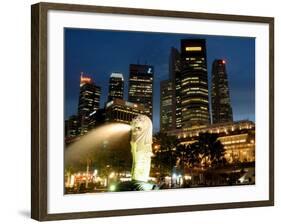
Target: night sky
{"x":98,"y":53}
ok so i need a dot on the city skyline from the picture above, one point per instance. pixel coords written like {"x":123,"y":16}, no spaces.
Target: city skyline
{"x":92,"y":52}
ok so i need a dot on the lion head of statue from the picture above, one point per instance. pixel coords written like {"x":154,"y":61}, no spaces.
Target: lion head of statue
{"x":141,"y":130}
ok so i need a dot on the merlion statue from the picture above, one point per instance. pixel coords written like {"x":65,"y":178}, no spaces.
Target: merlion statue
{"x":141,"y":147}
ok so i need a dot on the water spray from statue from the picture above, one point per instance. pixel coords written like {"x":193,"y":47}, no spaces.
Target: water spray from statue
{"x":96,"y":139}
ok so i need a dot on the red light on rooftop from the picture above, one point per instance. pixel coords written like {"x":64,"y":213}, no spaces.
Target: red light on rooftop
{"x":223,"y":61}
{"x":85,"y":79}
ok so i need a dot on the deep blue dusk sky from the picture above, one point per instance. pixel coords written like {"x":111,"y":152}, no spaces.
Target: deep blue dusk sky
{"x":98,"y":53}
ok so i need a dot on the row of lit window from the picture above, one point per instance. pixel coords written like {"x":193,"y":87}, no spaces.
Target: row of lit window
{"x":191,"y":113}
{"x":195,"y":113}
{"x":221,"y":131}
{"x":193,"y":59}
{"x":195,"y":88}
{"x":190,"y":78}
{"x":195,"y":100}
{"x":239,"y":147}
{"x":196,"y":92}
{"x":144,"y":86}
{"x":200,"y":68}
{"x":141,"y":80}
{"x":239,"y":136}
{"x":233,"y":142}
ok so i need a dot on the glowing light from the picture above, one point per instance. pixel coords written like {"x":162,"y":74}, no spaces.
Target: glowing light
{"x":112,"y":188}
{"x":156,"y":147}
{"x":187,"y":177}
{"x":193,"y":48}
{"x":85,"y":79}
{"x":167,"y":178}
{"x":93,"y":113}
{"x":72,"y":181}
{"x":111,"y":175}
{"x":123,"y":179}
{"x":95,"y":172}
{"x":116,"y":75}
{"x":149,"y":71}
{"x":223,"y":61}
{"x":109,"y":104}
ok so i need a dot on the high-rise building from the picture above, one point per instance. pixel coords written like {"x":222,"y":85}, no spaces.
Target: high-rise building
{"x":221,"y":107}
{"x":89,"y":102}
{"x":166,"y":103}
{"x":141,"y":85}
{"x":71,"y":127}
{"x":116,"y":86}
{"x":175,"y":77}
{"x":194,"y":83}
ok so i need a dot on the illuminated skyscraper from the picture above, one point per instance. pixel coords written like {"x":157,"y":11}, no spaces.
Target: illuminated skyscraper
{"x":116,"y":86}
{"x":166,"y":105}
{"x":175,"y":77}
{"x":89,"y":102}
{"x":141,"y":85}
{"x":194,"y":83}
{"x":221,"y":107}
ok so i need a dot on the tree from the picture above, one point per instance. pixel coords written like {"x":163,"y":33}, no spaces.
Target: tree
{"x":165,"y":153}
{"x":206,"y":152}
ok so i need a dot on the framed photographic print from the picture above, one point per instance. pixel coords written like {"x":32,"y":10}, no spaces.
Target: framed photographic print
{"x":139,"y":111}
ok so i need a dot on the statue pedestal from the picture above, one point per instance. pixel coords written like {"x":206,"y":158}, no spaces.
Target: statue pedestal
{"x":135,"y":185}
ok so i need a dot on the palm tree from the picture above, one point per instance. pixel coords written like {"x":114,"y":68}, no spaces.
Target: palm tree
{"x":165,"y":155}
{"x":206,"y":152}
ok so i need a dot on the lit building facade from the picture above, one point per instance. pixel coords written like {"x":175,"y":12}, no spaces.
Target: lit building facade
{"x":116,"y":86}
{"x":123,"y":111}
{"x":166,"y":103}
{"x":89,"y":102}
{"x":194,"y":83}
{"x":175,"y":77}
{"x":221,"y":106}
{"x":238,"y":138}
{"x":141,"y":86}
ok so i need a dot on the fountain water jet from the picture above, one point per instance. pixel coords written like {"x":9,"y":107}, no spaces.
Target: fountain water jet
{"x":90,"y":143}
